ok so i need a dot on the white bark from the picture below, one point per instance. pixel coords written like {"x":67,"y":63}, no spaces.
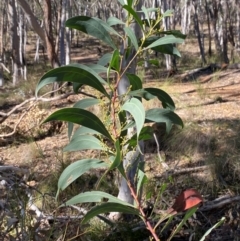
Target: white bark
{"x":166,"y":25}
{"x":36,"y":57}
{"x":16,"y":64}
{"x":186,"y":19}
{"x":68,"y":35}
{"x":238,"y":25}
{"x":62,"y":33}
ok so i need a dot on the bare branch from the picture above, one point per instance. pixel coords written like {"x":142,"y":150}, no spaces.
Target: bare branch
{"x":185,"y":170}
{"x":5,"y":68}
{"x":219,"y":203}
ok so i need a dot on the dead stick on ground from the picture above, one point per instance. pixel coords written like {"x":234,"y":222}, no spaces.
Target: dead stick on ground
{"x":184,"y":170}
{"x":35,"y":100}
{"x":219,"y":203}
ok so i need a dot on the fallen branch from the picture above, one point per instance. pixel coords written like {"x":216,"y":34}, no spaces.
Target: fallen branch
{"x":184,"y":171}
{"x":219,"y":203}
{"x":14,"y":169}
{"x":35,"y":100}
{"x":5,"y":68}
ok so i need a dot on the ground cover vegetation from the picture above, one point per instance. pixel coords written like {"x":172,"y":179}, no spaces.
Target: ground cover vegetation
{"x":183,"y":167}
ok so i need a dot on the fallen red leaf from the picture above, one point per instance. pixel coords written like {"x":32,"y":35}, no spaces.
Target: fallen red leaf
{"x":187,"y":199}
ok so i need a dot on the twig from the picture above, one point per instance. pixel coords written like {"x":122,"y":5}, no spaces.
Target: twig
{"x":164,"y":164}
{"x":219,"y":202}
{"x":5,"y":68}
{"x":6,"y":115}
{"x":184,"y":170}
{"x":15,"y":169}
{"x":19,"y":121}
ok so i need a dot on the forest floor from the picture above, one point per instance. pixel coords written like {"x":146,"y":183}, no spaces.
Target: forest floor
{"x":207,"y":150}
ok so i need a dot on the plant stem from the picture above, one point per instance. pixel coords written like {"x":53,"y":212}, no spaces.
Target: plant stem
{"x":144,"y":217}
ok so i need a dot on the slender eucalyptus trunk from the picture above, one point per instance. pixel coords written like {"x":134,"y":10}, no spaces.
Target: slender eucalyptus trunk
{"x":224,"y":33}
{"x":209,"y":29}
{"x":214,"y":11}
{"x":186,"y":17}
{"x":68,"y":34}
{"x":238,"y":25}
{"x":62,"y":33}
{"x":197,"y":31}
{"x":16,"y":62}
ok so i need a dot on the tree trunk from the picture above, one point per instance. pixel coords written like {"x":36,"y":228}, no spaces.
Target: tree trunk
{"x":186,"y":19}
{"x":46,"y":34}
{"x":49,"y":35}
{"x":33,"y":20}
{"x":68,"y":34}
{"x":214,"y":18}
{"x":16,"y":62}
{"x":198,"y":34}
{"x":209,"y":30}
{"x":62,"y":33}
{"x":224,"y":33}
{"x":238,"y":25}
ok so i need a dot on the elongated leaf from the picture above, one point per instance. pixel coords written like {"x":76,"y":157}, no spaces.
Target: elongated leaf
{"x":130,"y":3}
{"x":122,"y":170}
{"x":145,"y":134}
{"x":213,"y":227}
{"x":117,"y":159}
{"x":169,"y":39}
{"x":82,"y":104}
{"x":109,"y":207}
{"x":76,"y":169}
{"x":84,"y":142}
{"x":135,"y":81}
{"x":76,"y":73}
{"x":91,"y":26}
{"x":85,"y":103}
{"x":108,"y":27}
{"x":95,"y":196}
{"x":163,"y":116}
{"x":123,"y":120}
{"x":168,"y":13}
{"x":166,"y":99}
{"x":82,"y":130}
{"x":105,"y":59}
{"x":113,"y":21}
{"x":145,"y":11}
{"x":189,"y":213}
{"x":163,"y":48}
{"x":98,"y":68}
{"x":81,"y":117}
{"x":175,"y":33}
{"x":150,"y":93}
{"x":76,"y":87}
{"x":136,"y":109}
{"x":167,"y":49}
{"x":141,"y":177}
{"x":122,"y":2}
{"x":132,"y":36}
{"x":115,"y":61}
{"x":134,"y":14}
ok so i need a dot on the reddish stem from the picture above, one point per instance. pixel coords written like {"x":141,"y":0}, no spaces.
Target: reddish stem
{"x":145,"y":219}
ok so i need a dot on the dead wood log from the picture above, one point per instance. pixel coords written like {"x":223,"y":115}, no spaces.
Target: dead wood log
{"x":183,"y":171}
{"x":210,"y":69}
